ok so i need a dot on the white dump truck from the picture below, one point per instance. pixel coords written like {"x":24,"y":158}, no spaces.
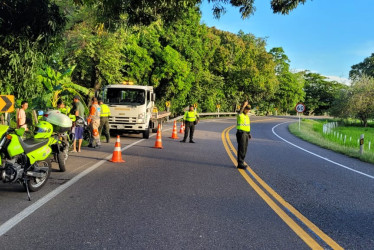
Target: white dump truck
{"x":130,"y":107}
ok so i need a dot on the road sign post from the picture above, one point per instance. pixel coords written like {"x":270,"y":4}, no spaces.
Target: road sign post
{"x":362,"y":144}
{"x":218,"y":106}
{"x":300,"y":108}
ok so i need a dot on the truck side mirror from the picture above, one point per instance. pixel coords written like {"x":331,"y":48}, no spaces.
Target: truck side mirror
{"x":153,"y":97}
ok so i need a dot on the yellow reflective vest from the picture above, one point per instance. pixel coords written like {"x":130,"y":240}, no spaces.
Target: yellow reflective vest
{"x":105,"y":111}
{"x":190,"y":116}
{"x":243,"y":122}
{"x":65,"y":110}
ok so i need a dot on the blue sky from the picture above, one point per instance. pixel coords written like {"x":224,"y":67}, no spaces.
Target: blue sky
{"x":323,"y":36}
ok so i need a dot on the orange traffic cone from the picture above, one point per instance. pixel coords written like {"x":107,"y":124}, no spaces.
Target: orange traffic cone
{"x":181,"y":130}
{"x":158,"y":143}
{"x":174,"y":135}
{"x":117,"y":154}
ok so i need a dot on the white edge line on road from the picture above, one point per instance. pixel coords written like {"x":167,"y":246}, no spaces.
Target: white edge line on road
{"x":6,"y":226}
{"x":324,"y":158}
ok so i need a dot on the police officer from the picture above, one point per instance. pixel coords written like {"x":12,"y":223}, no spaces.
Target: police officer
{"x":104,"y":120}
{"x":243,"y":133}
{"x":190,"y":120}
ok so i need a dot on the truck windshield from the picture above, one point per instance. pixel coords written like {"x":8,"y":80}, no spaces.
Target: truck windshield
{"x":124,"y":96}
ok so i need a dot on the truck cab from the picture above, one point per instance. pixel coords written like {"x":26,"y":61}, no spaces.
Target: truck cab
{"x":130,"y":107}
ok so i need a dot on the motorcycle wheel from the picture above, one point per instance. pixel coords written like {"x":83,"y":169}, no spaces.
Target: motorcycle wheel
{"x":62,"y":157}
{"x":34,"y":183}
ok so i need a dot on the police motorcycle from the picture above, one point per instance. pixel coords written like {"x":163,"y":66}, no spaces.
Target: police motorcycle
{"x":26,"y":161}
{"x":60,"y":137}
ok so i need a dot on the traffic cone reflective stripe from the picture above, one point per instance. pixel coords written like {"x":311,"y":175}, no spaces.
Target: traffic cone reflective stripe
{"x":174,"y":135}
{"x":117,"y":153}
{"x":181,"y":130}
{"x":158,"y":143}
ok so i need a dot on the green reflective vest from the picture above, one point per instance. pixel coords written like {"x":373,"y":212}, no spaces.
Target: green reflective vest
{"x":190,"y":116}
{"x":65,"y":110}
{"x":105,"y":111}
{"x":243,"y":123}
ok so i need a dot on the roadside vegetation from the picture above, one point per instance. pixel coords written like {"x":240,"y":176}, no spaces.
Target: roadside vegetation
{"x":55,"y":49}
{"x":342,"y":136}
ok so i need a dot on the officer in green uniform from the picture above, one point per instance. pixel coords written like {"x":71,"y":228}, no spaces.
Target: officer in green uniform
{"x":104,"y":120}
{"x":243,"y":133}
{"x":190,"y":119}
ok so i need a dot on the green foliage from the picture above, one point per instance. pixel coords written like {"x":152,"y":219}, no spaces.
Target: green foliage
{"x":58,"y":86}
{"x":319,"y":93}
{"x":339,"y":105}
{"x":20,"y":60}
{"x":363,"y":68}
{"x":29,"y":31}
{"x":145,"y":12}
{"x":160,"y":43}
{"x":361,"y":102}
{"x":96,"y":52}
{"x":290,"y":90}
{"x":285,"y":6}
{"x":311,"y":131}
{"x":35,"y":20}
{"x":246,"y":66}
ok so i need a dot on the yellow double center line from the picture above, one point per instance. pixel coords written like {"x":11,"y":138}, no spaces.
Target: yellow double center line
{"x":269,"y":199}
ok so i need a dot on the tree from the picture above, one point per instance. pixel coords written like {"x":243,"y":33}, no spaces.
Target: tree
{"x":96,"y":52}
{"x":290,"y":90}
{"x":29,"y":31}
{"x":363,"y":68}
{"x":285,"y":6}
{"x":319,"y":93}
{"x":339,"y":107}
{"x":58,"y":86}
{"x":36,"y":20}
{"x":361,"y":99}
{"x":145,"y":12}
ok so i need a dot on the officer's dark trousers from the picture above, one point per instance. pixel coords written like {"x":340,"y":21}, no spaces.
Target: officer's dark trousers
{"x":189,"y":127}
{"x":104,"y":127}
{"x":242,"y":139}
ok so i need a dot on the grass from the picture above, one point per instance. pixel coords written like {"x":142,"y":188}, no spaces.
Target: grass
{"x":312,"y":131}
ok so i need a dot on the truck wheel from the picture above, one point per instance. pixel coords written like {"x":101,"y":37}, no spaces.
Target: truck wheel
{"x":146,"y":134}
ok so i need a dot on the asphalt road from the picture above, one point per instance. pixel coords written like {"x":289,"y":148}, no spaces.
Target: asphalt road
{"x":191,"y":196}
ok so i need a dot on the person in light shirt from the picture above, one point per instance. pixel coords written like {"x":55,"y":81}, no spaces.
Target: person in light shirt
{"x":21,"y":117}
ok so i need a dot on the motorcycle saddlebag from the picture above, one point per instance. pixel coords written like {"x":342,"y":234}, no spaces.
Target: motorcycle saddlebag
{"x":61,"y":123}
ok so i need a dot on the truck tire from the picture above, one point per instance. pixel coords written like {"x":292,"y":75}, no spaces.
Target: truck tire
{"x":146,"y":134}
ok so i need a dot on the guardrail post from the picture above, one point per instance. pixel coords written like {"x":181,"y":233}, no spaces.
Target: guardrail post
{"x":362,"y":144}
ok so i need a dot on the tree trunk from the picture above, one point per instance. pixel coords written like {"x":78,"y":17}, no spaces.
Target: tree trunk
{"x":365,"y":121}
{"x":95,"y":75}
